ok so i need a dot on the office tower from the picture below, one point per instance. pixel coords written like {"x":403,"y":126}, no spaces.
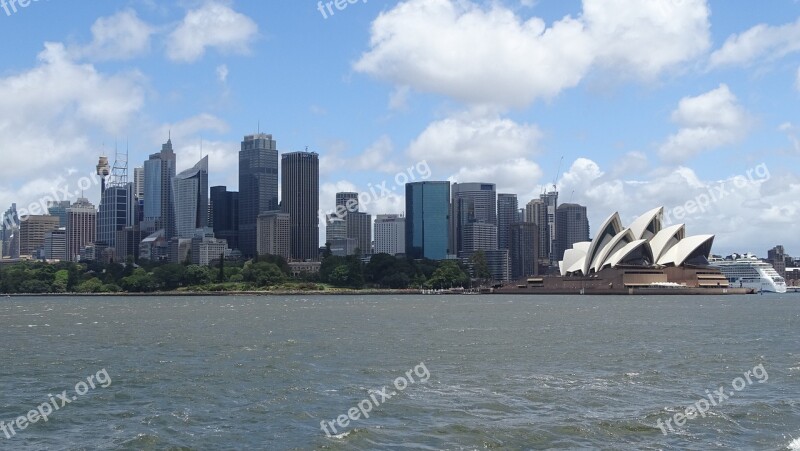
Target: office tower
{"x":524,"y":249}
{"x":551,"y":204}
{"x":191,"y":199}
{"x":59,"y":209}
{"x":273,"y":234}
{"x":159,"y":204}
{"x":258,"y":186}
{"x":300,"y":191}
{"x":9,"y":233}
{"x":427,"y":220}
{"x":777,"y":257}
{"x":572,"y":226}
{"x":81,"y":228}
{"x":206,"y":249}
{"x":473,"y":203}
{"x":507,"y":214}
{"x":499,"y":263}
{"x":32,"y":231}
{"x":359,"y":228}
{"x":117,"y":208}
{"x":335,"y":228}
{"x":390,"y":234}
{"x":348,"y":200}
{"x":225,"y":215}
{"x":55,"y":246}
{"x":536,"y":213}
{"x":138,"y":183}
{"x":478,"y":236}
{"x":127,"y":244}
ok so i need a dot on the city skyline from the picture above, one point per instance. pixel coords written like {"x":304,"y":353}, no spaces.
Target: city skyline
{"x":658,"y":120}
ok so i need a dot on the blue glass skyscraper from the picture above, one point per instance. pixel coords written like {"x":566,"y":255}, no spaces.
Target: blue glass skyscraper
{"x":427,"y":220}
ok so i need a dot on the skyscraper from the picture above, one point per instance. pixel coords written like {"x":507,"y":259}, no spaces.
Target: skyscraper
{"x":348,"y":200}
{"x":551,"y":204}
{"x":473,"y":212}
{"x":359,"y":228}
{"x":117,"y":202}
{"x":300,"y":191}
{"x":273,"y":234}
{"x":159,"y":204}
{"x":81,"y":228}
{"x":225,"y":215}
{"x":59,"y":209}
{"x":138,"y":183}
{"x":32,"y":232}
{"x":427,"y":219}
{"x":9,"y":233}
{"x":191,"y":199}
{"x":524,"y":249}
{"x":507,"y":212}
{"x":572,"y":226}
{"x":390,"y":234}
{"x":258,"y":186}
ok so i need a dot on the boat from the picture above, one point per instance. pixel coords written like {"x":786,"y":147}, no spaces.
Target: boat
{"x":750,"y":272}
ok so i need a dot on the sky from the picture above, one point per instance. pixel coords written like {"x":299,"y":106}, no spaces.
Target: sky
{"x":623,"y":105}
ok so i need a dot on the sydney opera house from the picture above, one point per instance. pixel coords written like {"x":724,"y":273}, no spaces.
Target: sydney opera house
{"x":640,"y":258}
{"x":645,"y":243}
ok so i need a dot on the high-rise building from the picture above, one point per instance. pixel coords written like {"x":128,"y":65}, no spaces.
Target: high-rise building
{"x":300,"y":199}
{"x":32,"y":231}
{"x":117,"y":211}
{"x":524,"y":249}
{"x":572,"y":226}
{"x":55,"y":246}
{"x":138,"y":183}
{"x":472,"y":203}
{"x":127,"y":243}
{"x":9,"y":233}
{"x":59,"y":209}
{"x":507,"y":214}
{"x":551,"y":204}
{"x":225,"y":215}
{"x":273,"y":234}
{"x":81,"y":230}
{"x":335,"y":228}
{"x":478,"y":236}
{"x":191,"y":199}
{"x":159,"y":204}
{"x":777,"y":257}
{"x":390,"y":234}
{"x":348,"y":200}
{"x":258,"y":186}
{"x":427,"y":220}
{"x":359,"y":228}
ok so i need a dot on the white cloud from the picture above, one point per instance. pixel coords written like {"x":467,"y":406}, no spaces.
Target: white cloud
{"x":759,"y":42}
{"x":213,"y":25}
{"x":472,"y":140}
{"x":398,"y":100}
{"x":742,"y":207}
{"x":491,"y":56}
{"x":119,"y":37}
{"x":378,"y":156}
{"x":45,"y":111}
{"x":222,"y":73}
{"x":708,"y":121}
{"x":190,"y":127}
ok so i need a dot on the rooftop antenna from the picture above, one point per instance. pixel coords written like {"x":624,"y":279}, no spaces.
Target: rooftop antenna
{"x":570,"y":196}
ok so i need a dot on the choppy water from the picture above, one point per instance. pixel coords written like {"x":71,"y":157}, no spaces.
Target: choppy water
{"x":506,"y":372}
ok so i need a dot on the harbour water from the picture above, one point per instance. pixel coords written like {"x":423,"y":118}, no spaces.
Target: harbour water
{"x":505,"y":372}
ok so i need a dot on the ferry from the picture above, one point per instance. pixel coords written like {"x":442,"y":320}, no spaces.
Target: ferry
{"x":750,"y":272}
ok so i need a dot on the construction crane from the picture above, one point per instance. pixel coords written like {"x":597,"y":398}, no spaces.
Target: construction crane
{"x":558,"y":172}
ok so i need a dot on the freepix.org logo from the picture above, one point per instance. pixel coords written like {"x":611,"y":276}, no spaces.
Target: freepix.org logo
{"x":10,"y":6}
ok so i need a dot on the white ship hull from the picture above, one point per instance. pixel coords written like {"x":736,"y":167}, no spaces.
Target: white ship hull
{"x":751,"y":273}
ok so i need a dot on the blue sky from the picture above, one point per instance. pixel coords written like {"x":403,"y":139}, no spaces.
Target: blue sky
{"x":652,"y":102}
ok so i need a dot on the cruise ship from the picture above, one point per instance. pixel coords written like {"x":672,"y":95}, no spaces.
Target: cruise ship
{"x":750,"y":272}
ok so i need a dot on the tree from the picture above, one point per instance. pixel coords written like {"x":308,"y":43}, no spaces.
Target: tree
{"x":480,"y":267}
{"x":448,"y":275}
{"x":93,"y":285}
{"x":198,"y":275}
{"x":170,"y":276}
{"x":138,"y":282}
{"x":263,"y":274}
{"x":221,"y":273}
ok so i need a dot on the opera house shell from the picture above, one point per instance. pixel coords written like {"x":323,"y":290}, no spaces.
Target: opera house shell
{"x":645,"y":243}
